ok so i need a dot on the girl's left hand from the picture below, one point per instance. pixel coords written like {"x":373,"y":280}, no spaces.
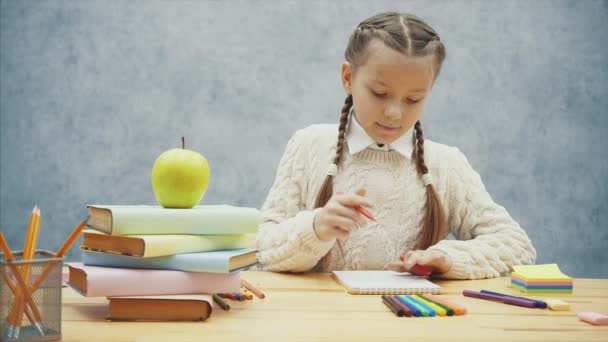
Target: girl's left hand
{"x":438,"y":261}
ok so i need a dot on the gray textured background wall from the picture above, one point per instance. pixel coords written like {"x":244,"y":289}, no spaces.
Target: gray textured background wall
{"x":93,"y":91}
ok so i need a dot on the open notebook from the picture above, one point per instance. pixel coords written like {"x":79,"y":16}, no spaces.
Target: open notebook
{"x":384,"y":282}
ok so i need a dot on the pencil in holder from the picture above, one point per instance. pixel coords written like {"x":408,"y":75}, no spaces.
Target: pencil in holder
{"x":30,"y":298}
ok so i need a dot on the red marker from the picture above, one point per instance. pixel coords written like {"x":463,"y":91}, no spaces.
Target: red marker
{"x":364,"y":213}
{"x":418,"y":270}
{"x":361,"y":210}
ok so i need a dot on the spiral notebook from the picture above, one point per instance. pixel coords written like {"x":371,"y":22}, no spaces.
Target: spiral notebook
{"x":384,"y":282}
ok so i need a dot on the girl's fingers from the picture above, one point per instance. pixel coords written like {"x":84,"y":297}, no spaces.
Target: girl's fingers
{"x":338,"y":209}
{"x":349,"y":213}
{"x":405,"y":257}
{"x":437,"y":261}
{"x":353,"y":200}
{"x":412,"y":259}
{"x":343,"y":223}
{"x":396,"y":266}
{"x":341,"y":233}
{"x":427,"y":259}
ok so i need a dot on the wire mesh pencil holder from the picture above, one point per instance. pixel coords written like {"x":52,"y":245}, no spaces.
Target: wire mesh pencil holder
{"x":34,"y":314}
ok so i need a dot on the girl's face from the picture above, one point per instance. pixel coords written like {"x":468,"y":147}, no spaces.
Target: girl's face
{"x":389,"y":91}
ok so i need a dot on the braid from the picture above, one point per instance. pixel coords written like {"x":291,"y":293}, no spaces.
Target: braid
{"x":348,"y":103}
{"x":421,"y":165}
{"x":435,"y":226}
{"x":327,"y":188}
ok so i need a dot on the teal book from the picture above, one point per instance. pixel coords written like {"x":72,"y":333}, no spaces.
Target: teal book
{"x":212,"y":262}
{"x":156,"y":220}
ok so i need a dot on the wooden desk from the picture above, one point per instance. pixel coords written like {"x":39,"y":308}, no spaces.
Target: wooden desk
{"x":314,"y":307}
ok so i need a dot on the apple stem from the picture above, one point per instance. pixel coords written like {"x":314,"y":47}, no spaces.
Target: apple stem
{"x":183,"y":144}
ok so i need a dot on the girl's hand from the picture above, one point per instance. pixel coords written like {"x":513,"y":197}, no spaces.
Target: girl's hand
{"x":438,"y":261}
{"x":338,"y":217}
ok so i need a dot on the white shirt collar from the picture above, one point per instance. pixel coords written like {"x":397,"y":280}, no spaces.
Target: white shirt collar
{"x":358,"y":140}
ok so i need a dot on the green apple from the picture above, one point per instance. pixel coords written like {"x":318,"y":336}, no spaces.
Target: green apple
{"x":180,"y":178}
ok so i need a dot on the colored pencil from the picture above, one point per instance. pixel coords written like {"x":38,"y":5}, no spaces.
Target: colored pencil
{"x":21,"y":284}
{"x":29,"y":251}
{"x":252,"y":289}
{"x":246,"y":294}
{"x":230,"y":296}
{"x":220,"y":302}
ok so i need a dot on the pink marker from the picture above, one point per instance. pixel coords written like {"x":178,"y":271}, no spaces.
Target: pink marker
{"x":593,"y":318}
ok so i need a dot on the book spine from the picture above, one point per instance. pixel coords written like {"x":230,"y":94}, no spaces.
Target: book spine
{"x":194,"y":222}
{"x":155,"y":282}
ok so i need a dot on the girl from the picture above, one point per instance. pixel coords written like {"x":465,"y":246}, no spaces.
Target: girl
{"x":419,"y":191}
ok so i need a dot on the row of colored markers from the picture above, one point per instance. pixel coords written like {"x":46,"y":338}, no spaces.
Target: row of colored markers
{"x":423,"y":305}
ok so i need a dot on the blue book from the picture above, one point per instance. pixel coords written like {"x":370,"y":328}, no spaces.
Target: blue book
{"x":213,"y":262}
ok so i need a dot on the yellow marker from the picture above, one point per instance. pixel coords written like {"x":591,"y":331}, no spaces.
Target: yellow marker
{"x":440,"y":311}
{"x":557,"y":305}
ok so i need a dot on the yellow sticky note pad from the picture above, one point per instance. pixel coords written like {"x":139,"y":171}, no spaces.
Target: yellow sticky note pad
{"x":546,"y":272}
{"x":557,"y":305}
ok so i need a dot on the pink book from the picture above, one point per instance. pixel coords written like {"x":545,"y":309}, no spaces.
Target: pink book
{"x":95,"y":281}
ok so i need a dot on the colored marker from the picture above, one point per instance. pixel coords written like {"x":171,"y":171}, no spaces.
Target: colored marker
{"x":458,"y":310}
{"x":494,"y":298}
{"x":361,"y":210}
{"x":364,"y":213}
{"x":593,"y":318}
{"x":415,"y":311}
{"x":409,"y":300}
{"x":537,"y":303}
{"x":407,"y":311}
{"x":431,"y":312}
{"x":449,"y":311}
{"x":392,"y":306}
{"x":418,"y":269}
{"x":440,"y":311}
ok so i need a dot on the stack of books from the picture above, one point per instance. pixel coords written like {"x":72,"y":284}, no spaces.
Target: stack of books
{"x":545,"y":278}
{"x":156,"y":263}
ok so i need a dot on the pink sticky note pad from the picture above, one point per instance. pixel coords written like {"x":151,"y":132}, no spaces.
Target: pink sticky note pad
{"x":593,"y":318}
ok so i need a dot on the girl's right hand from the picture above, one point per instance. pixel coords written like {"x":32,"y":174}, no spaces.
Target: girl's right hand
{"x":338,"y":217}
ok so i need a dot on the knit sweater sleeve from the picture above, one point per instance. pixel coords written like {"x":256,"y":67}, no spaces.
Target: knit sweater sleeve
{"x":286,"y":239}
{"x":488,"y":241}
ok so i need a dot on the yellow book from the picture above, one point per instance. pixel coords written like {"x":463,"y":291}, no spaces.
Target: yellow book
{"x":149,"y":246}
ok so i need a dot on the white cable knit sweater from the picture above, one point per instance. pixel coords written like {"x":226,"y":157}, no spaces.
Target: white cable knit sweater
{"x":488,"y":241}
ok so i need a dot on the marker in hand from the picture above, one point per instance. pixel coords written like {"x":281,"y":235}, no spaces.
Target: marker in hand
{"x":418,"y":270}
{"x":364,"y":213}
{"x":361,"y":210}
